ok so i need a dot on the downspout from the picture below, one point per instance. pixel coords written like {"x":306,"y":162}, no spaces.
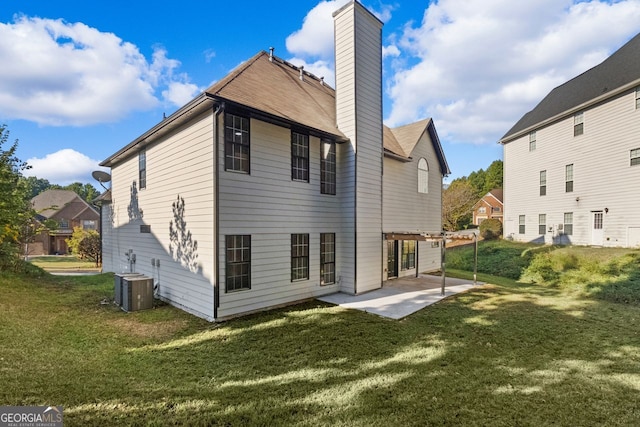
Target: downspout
{"x":216,"y":201}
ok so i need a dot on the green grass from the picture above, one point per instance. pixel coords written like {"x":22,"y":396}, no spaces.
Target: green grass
{"x":62,"y":262}
{"x":501,"y":355}
{"x":611,"y":274}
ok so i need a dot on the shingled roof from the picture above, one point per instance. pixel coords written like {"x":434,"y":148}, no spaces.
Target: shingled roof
{"x":278,"y":91}
{"x":617,"y":72}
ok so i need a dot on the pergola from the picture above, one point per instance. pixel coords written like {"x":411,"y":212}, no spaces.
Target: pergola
{"x":441,"y":237}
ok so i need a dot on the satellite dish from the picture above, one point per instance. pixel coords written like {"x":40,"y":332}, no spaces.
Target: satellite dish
{"x":101,"y":176}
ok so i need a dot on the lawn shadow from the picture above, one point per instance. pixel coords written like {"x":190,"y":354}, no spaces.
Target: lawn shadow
{"x":503,"y":355}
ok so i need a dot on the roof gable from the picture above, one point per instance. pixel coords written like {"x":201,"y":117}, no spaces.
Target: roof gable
{"x":52,"y":203}
{"x":274,"y":86}
{"x":620,"y":69}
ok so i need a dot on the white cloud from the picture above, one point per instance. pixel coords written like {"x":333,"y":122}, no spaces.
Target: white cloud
{"x":59,"y":73}
{"x":180,"y":93}
{"x":478,"y":65}
{"x":64,"y":167}
{"x":391,"y":50}
{"x":315,"y":38}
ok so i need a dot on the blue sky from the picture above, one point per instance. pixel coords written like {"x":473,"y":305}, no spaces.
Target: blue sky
{"x":79,"y":79}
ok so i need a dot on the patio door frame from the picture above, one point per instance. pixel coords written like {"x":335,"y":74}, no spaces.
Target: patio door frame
{"x":392,"y":259}
{"x":597,"y":228}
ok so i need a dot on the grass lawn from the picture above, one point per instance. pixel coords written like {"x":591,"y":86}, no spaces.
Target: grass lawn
{"x":502,"y":355}
{"x":62,"y":262}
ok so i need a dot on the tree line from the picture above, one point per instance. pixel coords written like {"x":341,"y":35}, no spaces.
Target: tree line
{"x":464,"y":192}
{"x":18,"y":222}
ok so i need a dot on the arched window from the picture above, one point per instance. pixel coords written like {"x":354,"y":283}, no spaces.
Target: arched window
{"x":423,"y":176}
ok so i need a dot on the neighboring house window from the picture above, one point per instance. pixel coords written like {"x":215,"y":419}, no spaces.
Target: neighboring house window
{"x":521,"y":224}
{"x":496,"y":209}
{"x":88,"y":224}
{"x":638,"y":98}
{"x":64,"y":223}
{"x":568,"y":178}
{"x":542,"y":223}
{"x":423,"y":176}
{"x":568,"y":223}
{"x":635,"y":156}
{"x":238,"y":262}
{"x":299,"y":157}
{"x":532,"y":141}
{"x":236,"y":143}
{"x":578,"y":124}
{"x":408,"y":254}
{"x":142,"y":169}
{"x":543,"y":183}
{"x":328,"y":168}
{"x":482,"y":210}
{"x":327,"y":258}
{"x":299,"y":257}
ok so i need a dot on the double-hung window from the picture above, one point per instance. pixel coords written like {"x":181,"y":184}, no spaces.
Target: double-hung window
{"x":238,"y":262}
{"x":578,"y":124}
{"x":568,"y":178}
{"x":327,"y":258}
{"x":521,"y":223}
{"x":423,"y":176}
{"x":236,"y":143}
{"x":299,"y":257}
{"x":408,"y":254}
{"x":543,"y":183}
{"x":542,"y":224}
{"x":568,"y":223}
{"x":328,"y":168}
{"x":299,"y":157}
{"x":532,"y":141}
{"x":142,"y":169}
{"x":635,"y":156}
{"x":638,"y":98}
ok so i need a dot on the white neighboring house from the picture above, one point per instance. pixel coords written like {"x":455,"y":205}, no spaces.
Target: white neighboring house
{"x":268,"y":188}
{"x":572,"y":164}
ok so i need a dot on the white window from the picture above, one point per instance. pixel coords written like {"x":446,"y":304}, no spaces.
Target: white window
{"x":423,"y":176}
{"x":543,"y":183}
{"x":578,"y":124}
{"x":482,"y":210}
{"x":532,"y":141}
{"x":542,"y":224}
{"x":638,"y":98}
{"x":568,"y":178}
{"x":521,"y":223}
{"x":568,"y":223}
{"x":635,"y":156}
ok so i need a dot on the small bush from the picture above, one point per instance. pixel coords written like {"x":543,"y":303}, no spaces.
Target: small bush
{"x":491,"y":229}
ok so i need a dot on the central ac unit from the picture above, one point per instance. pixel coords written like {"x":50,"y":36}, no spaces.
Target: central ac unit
{"x":117,"y":278}
{"x":137,"y":293}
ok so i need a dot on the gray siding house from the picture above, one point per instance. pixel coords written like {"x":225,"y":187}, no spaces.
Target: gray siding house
{"x":572,"y":164}
{"x":271,"y":187}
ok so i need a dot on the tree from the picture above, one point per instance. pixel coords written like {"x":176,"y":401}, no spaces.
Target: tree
{"x":35,"y":185}
{"x":493,"y":177}
{"x":86,"y":191}
{"x":85,"y":244}
{"x":457,"y":201}
{"x":15,"y":209}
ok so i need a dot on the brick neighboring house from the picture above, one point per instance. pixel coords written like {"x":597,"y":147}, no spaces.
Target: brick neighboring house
{"x":70,"y":211}
{"x":490,"y":206}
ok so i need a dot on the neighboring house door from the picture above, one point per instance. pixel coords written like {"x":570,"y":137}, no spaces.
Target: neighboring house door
{"x":597,"y":234}
{"x":392,"y":259}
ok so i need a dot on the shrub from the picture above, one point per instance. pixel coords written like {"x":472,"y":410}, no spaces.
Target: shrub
{"x":491,"y":229}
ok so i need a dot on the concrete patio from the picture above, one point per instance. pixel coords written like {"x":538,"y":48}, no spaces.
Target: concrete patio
{"x":398,"y":298}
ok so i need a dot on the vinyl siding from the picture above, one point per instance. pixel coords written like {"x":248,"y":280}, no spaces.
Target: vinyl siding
{"x":359,"y":116}
{"x":407,"y":210}
{"x":181,"y":164}
{"x":602,"y":175}
{"x":269,"y":206}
